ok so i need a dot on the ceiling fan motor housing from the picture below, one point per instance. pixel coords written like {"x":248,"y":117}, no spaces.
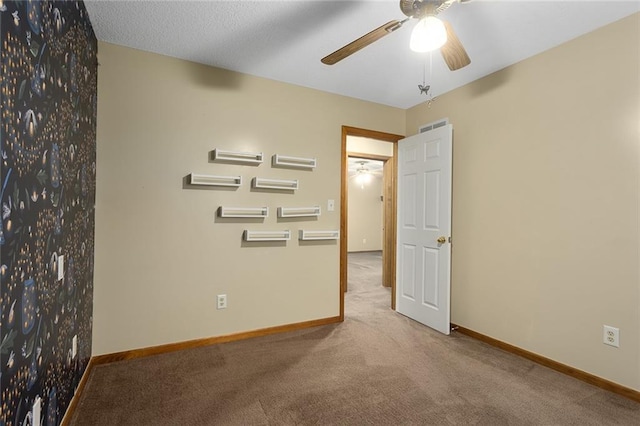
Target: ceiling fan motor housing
{"x":420,"y":8}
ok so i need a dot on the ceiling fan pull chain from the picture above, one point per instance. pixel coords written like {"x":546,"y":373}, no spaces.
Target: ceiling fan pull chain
{"x":425,"y":88}
{"x":431,"y":64}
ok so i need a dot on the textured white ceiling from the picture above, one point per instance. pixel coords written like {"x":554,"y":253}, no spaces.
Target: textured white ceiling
{"x":285,"y":40}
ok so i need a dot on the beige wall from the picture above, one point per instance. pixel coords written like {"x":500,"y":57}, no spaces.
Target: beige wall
{"x":362,"y":145}
{"x":161,"y":254}
{"x":365,"y":214}
{"x":545,"y":210}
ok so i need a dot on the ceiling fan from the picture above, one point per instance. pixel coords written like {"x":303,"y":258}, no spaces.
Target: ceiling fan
{"x":429,"y":33}
{"x":359,"y":166}
{"x":363,"y":171}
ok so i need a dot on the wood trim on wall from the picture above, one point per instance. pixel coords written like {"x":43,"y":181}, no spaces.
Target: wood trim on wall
{"x":554,"y":365}
{"x":394,"y":230}
{"x":197,"y":343}
{"x":368,"y":156}
{"x":344,"y":176}
{"x":371,"y":134}
{"x":66,"y":419}
{"x":388,"y":240}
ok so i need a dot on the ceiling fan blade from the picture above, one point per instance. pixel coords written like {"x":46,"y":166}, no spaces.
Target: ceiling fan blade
{"x":363,"y":41}
{"x":453,"y":53}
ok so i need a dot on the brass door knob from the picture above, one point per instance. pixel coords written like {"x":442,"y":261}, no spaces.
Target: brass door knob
{"x":442,"y":240}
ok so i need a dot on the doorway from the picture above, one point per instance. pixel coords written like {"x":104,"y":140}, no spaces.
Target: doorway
{"x":389,"y":205}
{"x":365,"y":205}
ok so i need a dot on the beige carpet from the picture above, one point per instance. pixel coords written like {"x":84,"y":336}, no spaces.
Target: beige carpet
{"x":376,"y":368}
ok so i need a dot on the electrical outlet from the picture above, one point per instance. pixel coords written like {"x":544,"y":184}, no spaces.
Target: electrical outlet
{"x":60,"y":267}
{"x":74,"y":346}
{"x":611,"y":336}
{"x":364,"y":241}
{"x":222,"y":301}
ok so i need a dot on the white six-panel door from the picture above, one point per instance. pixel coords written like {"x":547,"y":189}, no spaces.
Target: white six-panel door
{"x":424,"y":227}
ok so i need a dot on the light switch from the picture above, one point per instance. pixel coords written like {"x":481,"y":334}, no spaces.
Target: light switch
{"x":331,"y":206}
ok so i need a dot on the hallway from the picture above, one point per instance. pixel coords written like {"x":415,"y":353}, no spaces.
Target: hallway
{"x":366,"y":295}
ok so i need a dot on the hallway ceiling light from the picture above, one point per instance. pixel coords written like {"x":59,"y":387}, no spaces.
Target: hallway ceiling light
{"x":363,"y":175}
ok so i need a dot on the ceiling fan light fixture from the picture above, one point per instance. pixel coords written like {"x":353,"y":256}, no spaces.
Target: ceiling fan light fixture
{"x":363,"y":174}
{"x":428,"y":34}
{"x":363,"y":177}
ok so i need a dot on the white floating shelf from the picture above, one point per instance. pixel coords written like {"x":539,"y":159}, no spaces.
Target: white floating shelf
{"x":267,"y":235}
{"x":318,"y":235}
{"x":237,"y":157}
{"x":287,"y":184}
{"x":298,"y":211}
{"x":197,"y":179}
{"x":259,"y":212}
{"x":298,"y":162}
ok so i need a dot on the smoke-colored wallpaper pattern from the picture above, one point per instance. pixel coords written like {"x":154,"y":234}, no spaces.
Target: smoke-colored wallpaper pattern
{"x":48,"y":145}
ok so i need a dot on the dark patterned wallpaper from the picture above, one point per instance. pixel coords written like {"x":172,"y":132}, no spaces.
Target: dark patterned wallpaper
{"x":48,"y":145}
